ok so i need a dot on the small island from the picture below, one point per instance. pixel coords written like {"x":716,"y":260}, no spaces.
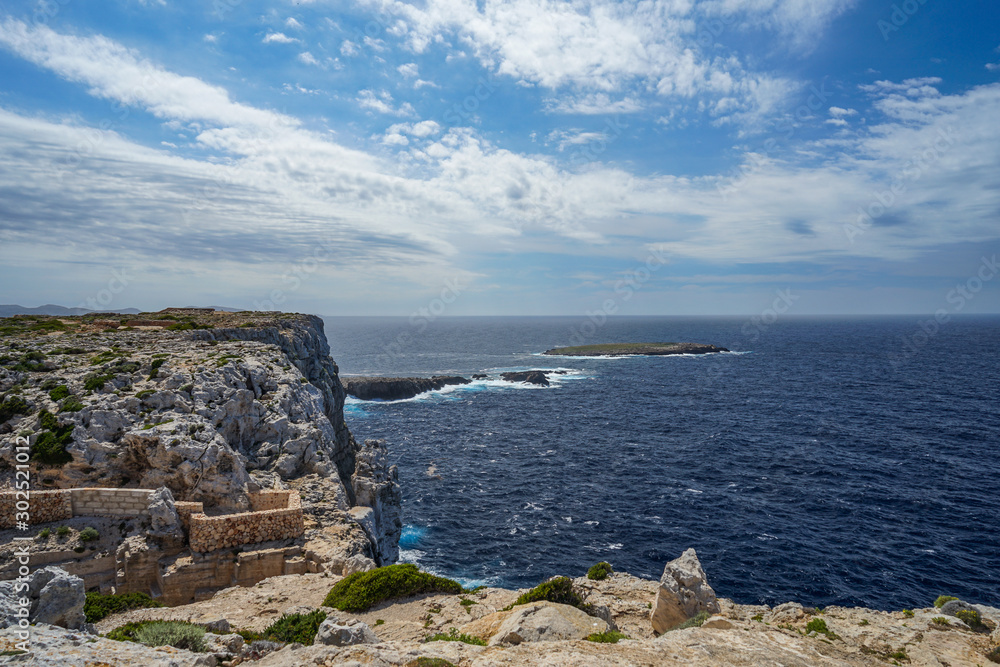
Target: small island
{"x":629,"y":349}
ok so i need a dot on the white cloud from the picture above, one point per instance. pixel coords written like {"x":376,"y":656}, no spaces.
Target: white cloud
{"x":993,"y":67}
{"x":593,"y":104}
{"x":348,"y":48}
{"x":293,"y":24}
{"x":409,"y":70}
{"x":279,"y":38}
{"x":564,"y":138}
{"x":210,"y":38}
{"x":839,"y":112}
{"x":307,"y":58}
{"x":382,"y":102}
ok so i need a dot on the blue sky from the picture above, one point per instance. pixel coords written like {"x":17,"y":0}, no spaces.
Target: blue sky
{"x":526,"y":157}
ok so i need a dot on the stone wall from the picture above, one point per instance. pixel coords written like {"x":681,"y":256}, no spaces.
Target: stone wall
{"x":209,"y":533}
{"x":185,"y":509}
{"x":43,"y":506}
{"x":110,"y":502}
{"x":270,"y":500}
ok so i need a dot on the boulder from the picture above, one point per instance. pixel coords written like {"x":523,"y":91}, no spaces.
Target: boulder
{"x":684,"y":592}
{"x":718,"y":623}
{"x":163,"y":517}
{"x":546,"y":621}
{"x":55,"y":597}
{"x":788,"y":612}
{"x":952,"y":607}
{"x":334,"y":632}
{"x":530,"y":377}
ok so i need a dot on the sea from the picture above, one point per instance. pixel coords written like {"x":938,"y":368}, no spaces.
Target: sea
{"x":829,"y":460}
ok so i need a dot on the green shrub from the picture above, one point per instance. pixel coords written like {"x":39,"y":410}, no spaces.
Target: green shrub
{"x":145,"y":392}
{"x":454,"y":636}
{"x":97,"y":606}
{"x":59,"y":393}
{"x":599,"y":571}
{"x":908,"y":613}
{"x":50,"y":446}
{"x":62,"y":531}
{"x":359,"y":591}
{"x":971,"y":618}
{"x":72,"y":404}
{"x":430,"y":662}
{"x":609,"y":637}
{"x":379,"y":621}
{"x":44,"y":533}
{"x":299,"y":628}
{"x":88,"y":534}
{"x":96,"y":381}
{"x":179,"y":634}
{"x":155,"y":367}
{"x":558,"y":590}
{"x":942,"y":599}
{"x":940,"y":620}
{"x":818,"y":625}
{"x":693,"y":622}
{"x":12,"y":405}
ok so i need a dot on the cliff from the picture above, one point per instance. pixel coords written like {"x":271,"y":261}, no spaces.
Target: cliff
{"x":213,"y":406}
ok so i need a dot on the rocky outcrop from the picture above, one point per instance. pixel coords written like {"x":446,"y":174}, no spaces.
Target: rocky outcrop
{"x":395,"y":389}
{"x":540,"y":378}
{"x":545,"y":622}
{"x":628,"y":349}
{"x":376,"y":486}
{"x":334,"y":632}
{"x":683,"y":593}
{"x":54,"y":596}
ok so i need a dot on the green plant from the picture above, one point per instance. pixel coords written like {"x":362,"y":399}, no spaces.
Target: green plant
{"x":44,"y":533}
{"x":179,"y":634}
{"x":863,"y":621}
{"x":379,"y":621}
{"x":558,"y":590}
{"x":361,"y":590}
{"x":144,"y":393}
{"x":942,"y":599}
{"x":79,"y":548}
{"x":940,"y":620}
{"x":971,"y":618}
{"x":97,"y":605}
{"x":88,"y":534}
{"x":50,"y":446}
{"x":599,"y":571}
{"x":758,"y":617}
{"x":96,"y":381}
{"x":249,"y":636}
{"x":155,"y":367}
{"x":693,"y":622}
{"x":454,"y":636}
{"x":430,"y":662}
{"x":60,"y":392}
{"x":72,"y":404}
{"x":12,"y":405}
{"x":908,"y":613}
{"x":299,"y":628}
{"x":898,"y":655}
{"x":62,"y":531}
{"x":818,"y":625}
{"x":609,"y":637}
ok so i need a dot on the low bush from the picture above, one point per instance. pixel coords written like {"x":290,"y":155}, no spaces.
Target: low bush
{"x":44,"y":533}
{"x":359,"y":591}
{"x":155,"y":367}
{"x":818,"y":625}
{"x":12,"y":405}
{"x":940,"y":620}
{"x":609,"y":637}
{"x":50,"y":446}
{"x":59,"y":393}
{"x":88,"y":534}
{"x":971,"y":618}
{"x":179,"y":634}
{"x":62,"y":531}
{"x":454,"y":636}
{"x":299,"y":628}
{"x":97,"y":605}
{"x":942,"y":599}
{"x":96,"y":381}
{"x":558,"y":590}
{"x":599,"y":571}
{"x":72,"y":404}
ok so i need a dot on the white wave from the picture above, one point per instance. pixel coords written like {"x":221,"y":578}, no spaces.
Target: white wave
{"x":694,"y":490}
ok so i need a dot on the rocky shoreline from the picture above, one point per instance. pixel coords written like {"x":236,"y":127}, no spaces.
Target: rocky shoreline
{"x":400,"y":388}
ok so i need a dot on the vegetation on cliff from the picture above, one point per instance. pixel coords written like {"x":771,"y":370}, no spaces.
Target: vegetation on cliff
{"x":98,"y":605}
{"x":301,"y":628}
{"x":362,"y":590}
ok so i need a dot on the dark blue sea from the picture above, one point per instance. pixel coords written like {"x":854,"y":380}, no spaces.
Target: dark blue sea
{"x":849,"y":461}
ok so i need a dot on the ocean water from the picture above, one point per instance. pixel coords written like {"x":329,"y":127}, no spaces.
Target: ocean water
{"x":850,"y":461}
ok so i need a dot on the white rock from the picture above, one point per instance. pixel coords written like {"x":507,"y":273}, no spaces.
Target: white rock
{"x":684,"y":592}
{"x":718,"y":623}
{"x":335,"y":632}
{"x":546,"y":621}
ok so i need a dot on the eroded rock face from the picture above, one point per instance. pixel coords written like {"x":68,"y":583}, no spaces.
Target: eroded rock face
{"x":395,"y":389}
{"x":684,"y":592}
{"x":163,"y":517}
{"x":545,"y":622}
{"x":376,"y":485}
{"x":56,"y":598}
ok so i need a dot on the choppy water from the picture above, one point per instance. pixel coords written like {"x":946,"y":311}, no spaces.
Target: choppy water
{"x":807,"y":467}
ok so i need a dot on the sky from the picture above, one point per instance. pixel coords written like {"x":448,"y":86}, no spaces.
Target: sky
{"x":529,"y":157}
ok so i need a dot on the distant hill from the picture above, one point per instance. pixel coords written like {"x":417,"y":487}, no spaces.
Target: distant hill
{"x":7,"y":310}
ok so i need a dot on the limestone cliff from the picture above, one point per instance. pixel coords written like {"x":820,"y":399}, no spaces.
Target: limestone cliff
{"x":213,"y":406}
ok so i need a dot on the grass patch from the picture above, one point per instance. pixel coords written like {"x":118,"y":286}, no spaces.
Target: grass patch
{"x":59,"y":393}
{"x":454,"y":636}
{"x":360,"y":591}
{"x":693,"y":622}
{"x":300,"y":628}
{"x":942,"y":599}
{"x":609,"y":637}
{"x":558,"y":590}
{"x":818,"y":625}
{"x":179,"y":634}
{"x":600,"y":571}
{"x":97,"y":606}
